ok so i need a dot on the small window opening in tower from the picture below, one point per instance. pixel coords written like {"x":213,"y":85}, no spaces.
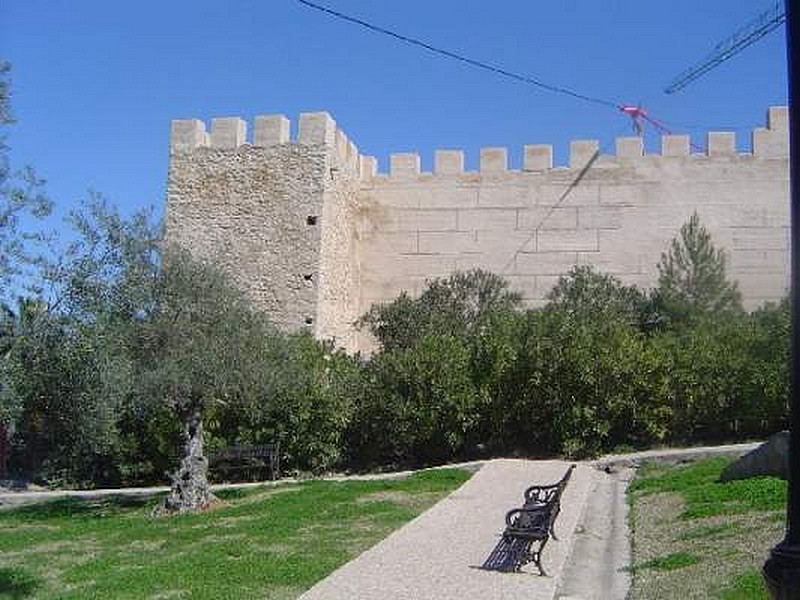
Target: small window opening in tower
{"x":311,"y":220}
{"x":308,"y":277}
{"x":309,"y":320}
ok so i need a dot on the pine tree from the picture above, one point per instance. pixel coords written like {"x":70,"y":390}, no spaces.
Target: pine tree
{"x":692,"y":280}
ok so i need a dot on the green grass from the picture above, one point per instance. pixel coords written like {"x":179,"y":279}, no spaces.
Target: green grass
{"x":270,"y":542}
{"x":17,"y":583}
{"x":710,"y":531}
{"x":747,"y":586}
{"x":717,"y":534}
{"x":705,"y":496}
{"x":670,"y":562}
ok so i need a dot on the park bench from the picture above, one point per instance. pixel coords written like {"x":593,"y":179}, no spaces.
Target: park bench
{"x":528,"y":528}
{"x":249,"y":461}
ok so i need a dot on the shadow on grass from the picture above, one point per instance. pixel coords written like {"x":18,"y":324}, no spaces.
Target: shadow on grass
{"x":82,"y":507}
{"x":17,"y":583}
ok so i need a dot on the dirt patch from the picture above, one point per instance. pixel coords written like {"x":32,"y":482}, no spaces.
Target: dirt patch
{"x":724,"y":546}
{"x":143,"y":546}
{"x":236,"y":521}
{"x":402,"y":498}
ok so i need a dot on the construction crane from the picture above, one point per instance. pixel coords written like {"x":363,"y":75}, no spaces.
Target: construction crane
{"x":749,"y":34}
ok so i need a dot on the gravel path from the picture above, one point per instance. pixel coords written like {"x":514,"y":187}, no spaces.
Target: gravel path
{"x":435,"y":556}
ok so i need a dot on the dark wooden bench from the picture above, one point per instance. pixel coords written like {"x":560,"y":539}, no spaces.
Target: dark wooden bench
{"x":528,"y":528}
{"x":248,"y":461}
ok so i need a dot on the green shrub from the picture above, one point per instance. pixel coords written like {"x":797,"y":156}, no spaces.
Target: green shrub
{"x":418,"y":405}
{"x":306,"y":403}
{"x":458,"y":305}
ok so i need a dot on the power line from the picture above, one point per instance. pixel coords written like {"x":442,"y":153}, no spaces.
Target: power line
{"x":461,"y":58}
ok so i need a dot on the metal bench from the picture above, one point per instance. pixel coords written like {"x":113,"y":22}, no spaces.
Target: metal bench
{"x":528,"y":528}
{"x":539,"y":495}
{"x":247,"y":460}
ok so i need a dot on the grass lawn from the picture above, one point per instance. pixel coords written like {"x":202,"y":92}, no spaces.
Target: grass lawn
{"x":694,"y":537}
{"x":266,"y":542}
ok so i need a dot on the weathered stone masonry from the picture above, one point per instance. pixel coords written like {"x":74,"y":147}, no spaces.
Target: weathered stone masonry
{"x":315,"y":234}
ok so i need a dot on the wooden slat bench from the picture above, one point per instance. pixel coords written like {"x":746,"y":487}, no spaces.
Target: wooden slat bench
{"x":248,"y":460}
{"x":528,"y":528}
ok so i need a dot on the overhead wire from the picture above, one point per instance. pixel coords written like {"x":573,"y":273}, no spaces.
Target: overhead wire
{"x":556,"y":89}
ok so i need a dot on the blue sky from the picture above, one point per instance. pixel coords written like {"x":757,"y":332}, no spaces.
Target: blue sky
{"x":96,"y":83}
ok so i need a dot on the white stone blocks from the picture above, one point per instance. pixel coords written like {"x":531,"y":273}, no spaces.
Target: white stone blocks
{"x":447,"y":242}
{"x":368,"y":167}
{"x":494,"y":160}
{"x":487,"y":219}
{"x":581,"y":152}
{"x":228,"y":132}
{"x":503,"y":195}
{"x":581,"y":195}
{"x":424,"y":265}
{"x":606,"y":216}
{"x":537,"y":157}
{"x":391,"y":242}
{"x":448,"y":162}
{"x":778,"y":118}
{"x":630,"y":147}
{"x":501,"y":263}
{"x":500,"y":242}
{"x":761,"y":238}
{"x":547,"y":217}
{"x":770,"y":144}
{"x":316,"y":129}
{"x":187,"y":134}
{"x":583,"y":240}
{"x":721,"y":143}
{"x":623,"y":194}
{"x":759,"y":261}
{"x":342,"y":143}
{"x":419,"y":220}
{"x":449,"y":197}
{"x":675,"y":145}
{"x":614,"y":260}
{"x":546,"y":263}
{"x":404,"y":165}
{"x":270,"y":130}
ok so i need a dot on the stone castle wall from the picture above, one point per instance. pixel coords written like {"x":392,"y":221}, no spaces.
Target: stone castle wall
{"x":247,"y":206}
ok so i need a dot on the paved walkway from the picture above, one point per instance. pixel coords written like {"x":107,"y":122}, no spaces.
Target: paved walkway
{"x":435,"y":556}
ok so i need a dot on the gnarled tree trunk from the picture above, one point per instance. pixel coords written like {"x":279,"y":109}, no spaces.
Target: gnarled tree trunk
{"x":190,"y":489}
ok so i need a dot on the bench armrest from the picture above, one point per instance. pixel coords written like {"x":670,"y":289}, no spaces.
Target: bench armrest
{"x":537,"y":514}
{"x":541,"y":494}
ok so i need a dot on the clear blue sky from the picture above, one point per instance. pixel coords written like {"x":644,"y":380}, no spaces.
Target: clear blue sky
{"x":96,"y":83}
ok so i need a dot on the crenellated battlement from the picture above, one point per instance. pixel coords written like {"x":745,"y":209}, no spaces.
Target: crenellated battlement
{"x":229,"y":133}
{"x":316,"y":233}
{"x":320,"y":129}
{"x":771,"y":141}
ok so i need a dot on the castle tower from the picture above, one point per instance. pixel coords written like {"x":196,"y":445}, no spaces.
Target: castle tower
{"x":277,"y":214}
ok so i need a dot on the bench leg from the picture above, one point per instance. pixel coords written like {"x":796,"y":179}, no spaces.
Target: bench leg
{"x":536,"y":557}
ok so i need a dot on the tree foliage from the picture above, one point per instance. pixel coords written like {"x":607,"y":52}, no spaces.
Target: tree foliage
{"x":21,"y":198}
{"x":692,"y":278}
{"x":458,"y":305}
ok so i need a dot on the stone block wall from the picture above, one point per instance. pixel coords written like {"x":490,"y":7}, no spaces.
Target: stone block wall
{"x":246,"y":206}
{"x":275,"y":213}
